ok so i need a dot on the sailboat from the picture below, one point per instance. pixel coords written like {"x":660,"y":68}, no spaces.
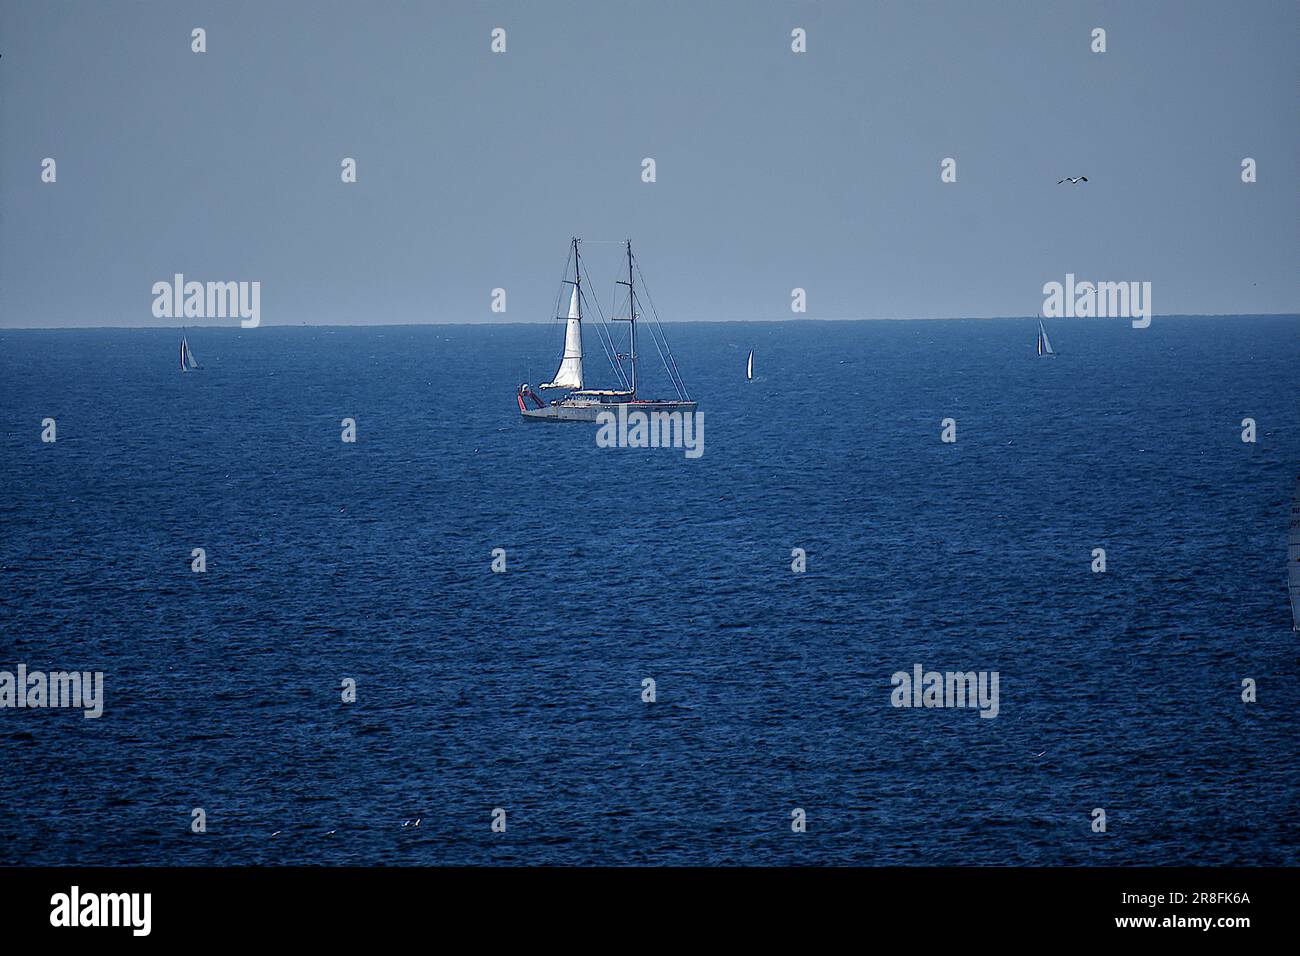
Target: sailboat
{"x":749,"y":367}
{"x":1044,"y":345}
{"x":581,"y":403}
{"x":1293,"y":557}
{"x":188,"y":362}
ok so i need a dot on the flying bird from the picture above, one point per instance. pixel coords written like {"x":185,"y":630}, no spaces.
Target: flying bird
{"x":1072,"y":180}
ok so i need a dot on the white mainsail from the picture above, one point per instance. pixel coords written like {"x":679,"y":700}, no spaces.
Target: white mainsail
{"x":1044,"y":343}
{"x":749,"y":369}
{"x":188,"y":361}
{"x":569,"y":374}
{"x":1293,"y":557}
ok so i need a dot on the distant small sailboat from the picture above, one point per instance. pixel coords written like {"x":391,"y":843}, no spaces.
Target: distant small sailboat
{"x":749,"y":368}
{"x":1293,"y":557}
{"x":1044,"y":346}
{"x":188,"y":362}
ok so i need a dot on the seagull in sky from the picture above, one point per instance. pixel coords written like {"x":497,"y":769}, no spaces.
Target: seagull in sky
{"x":1072,"y":180}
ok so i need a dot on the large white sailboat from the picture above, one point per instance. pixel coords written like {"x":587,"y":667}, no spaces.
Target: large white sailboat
{"x":581,"y":403}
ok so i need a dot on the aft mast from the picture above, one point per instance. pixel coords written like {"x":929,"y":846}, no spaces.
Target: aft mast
{"x":631,"y":310}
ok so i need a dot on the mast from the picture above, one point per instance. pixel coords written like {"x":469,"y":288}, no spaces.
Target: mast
{"x":631,"y":308}
{"x":577,"y":277}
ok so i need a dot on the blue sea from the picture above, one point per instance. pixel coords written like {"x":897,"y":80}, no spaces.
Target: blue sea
{"x":522,"y":690}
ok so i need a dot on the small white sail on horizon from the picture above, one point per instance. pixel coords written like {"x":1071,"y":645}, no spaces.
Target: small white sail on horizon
{"x":1044,"y":346}
{"x":1293,"y":557}
{"x":749,"y":368}
{"x":569,"y":374}
{"x":188,"y":361}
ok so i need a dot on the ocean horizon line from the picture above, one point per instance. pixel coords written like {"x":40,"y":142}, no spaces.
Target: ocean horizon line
{"x":534,"y":322}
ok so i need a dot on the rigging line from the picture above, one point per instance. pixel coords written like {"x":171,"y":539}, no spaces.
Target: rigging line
{"x":611,"y":353}
{"x":613,"y":346}
{"x":646,"y":288}
{"x":671,"y":364}
{"x":677,"y":385}
{"x":607,"y":348}
{"x":674,"y":372}
{"x":630,"y":310}
{"x":680,"y":385}
{"x":613,"y":308}
{"x":555,"y":337}
{"x":617,"y":361}
{"x":650,"y":299}
{"x":655,"y":339}
{"x":588,"y":303}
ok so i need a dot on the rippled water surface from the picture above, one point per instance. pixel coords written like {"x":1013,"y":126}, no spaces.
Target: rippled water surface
{"x":523,"y":690}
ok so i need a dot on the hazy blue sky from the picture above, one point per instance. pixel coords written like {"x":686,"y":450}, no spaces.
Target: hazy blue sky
{"x":775,"y":169}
